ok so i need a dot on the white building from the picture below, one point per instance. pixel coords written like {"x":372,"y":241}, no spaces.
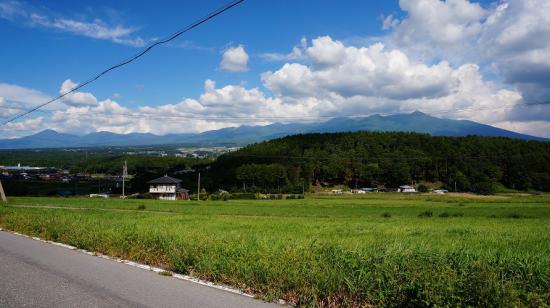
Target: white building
{"x":406,"y":189}
{"x":168,"y":188}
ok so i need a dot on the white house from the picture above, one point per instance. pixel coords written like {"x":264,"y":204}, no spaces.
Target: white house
{"x":167,"y":188}
{"x":406,"y":189}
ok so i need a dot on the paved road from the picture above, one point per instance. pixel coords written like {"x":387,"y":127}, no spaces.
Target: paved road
{"x":37,"y":274}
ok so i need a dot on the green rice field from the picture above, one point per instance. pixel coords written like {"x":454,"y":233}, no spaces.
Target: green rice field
{"x":370,"y":250}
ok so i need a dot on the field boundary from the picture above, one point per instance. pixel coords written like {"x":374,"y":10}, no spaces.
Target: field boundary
{"x":157,"y":270}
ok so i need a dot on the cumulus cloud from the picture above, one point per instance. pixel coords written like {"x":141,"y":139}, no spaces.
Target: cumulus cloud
{"x":516,"y":38}
{"x":511,"y":38}
{"x":343,"y":80}
{"x":76,"y":98}
{"x":366,"y":71}
{"x":440,"y":22}
{"x":235,"y":59}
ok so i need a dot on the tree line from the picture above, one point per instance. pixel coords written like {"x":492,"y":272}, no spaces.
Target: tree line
{"x":384,"y":159}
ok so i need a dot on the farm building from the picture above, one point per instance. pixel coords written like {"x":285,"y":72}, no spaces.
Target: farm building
{"x":168,"y":188}
{"x":406,"y":189}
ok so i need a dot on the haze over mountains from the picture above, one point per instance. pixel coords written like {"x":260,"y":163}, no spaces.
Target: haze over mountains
{"x":242,"y":135}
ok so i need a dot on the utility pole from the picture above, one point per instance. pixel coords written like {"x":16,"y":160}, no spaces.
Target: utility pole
{"x":4,"y":199}
{"x":124,"y":175}
{"x":199,"y":188}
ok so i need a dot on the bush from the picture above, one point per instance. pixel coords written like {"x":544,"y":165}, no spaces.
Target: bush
{"x":426,"y":214}
{"x":386,"y":215}
{"x":220,"y":195}
{"x":484,"y":188}
{"x":444,"y":214}
{"x":243,"y":196}
{"x":459,"y":214}
{"x":422,"y":188}
{"x":141,"y":207}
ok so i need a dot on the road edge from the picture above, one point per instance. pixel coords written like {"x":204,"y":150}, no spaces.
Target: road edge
{"x":157,"y":270}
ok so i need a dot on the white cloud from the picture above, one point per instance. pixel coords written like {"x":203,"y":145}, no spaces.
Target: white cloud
{"x":389,"y":22}
{"x":516,"y":39}
{"x":296,"y":54}
{"x":511,"y":38}
{"x":235,"y":59}
{"x":76,"y":98}
{"x":16,"y":99}
{"x":10,"y":10}
{"x":22,"y":128}
{"x":537,"y":128}
{"x":367,"y":71}
{"x":434,"y":27}
{"x":344,"y":80}
{"x":96,"y":28}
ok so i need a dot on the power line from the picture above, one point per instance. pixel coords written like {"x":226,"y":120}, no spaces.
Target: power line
{"x":135,"y":57}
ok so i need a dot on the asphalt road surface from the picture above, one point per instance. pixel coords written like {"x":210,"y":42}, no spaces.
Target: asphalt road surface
{"x":37,"y":274}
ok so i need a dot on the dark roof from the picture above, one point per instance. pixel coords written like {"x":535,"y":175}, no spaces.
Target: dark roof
{"x":165,"y":180}
{"x":183,"y":190}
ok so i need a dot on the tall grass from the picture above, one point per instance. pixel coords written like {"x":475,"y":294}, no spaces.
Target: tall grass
{"x":322,"y":252}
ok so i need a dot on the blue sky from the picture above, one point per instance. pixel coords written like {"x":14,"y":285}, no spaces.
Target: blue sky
{"x":445,"y":49}
{"x":42,"y":58}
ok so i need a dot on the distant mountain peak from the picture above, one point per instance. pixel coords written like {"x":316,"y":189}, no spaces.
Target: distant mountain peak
{"x":47,"y":132}
{"x":416,"y":121}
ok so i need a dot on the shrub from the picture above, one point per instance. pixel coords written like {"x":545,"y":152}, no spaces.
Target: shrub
{"x":444,"y":214}
{"x":220,"y":195}
{"x":422,"y":188}
{"x":243,"y":196}
{"x":459,"y":214}
{"x":426,"y":214}
{"x":141,"y":207}
{"x":225,"y":196}
{"x":386,"y":215}
{"x":484,"y":188}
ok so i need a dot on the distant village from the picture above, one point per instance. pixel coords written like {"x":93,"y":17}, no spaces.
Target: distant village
{"x":163,"y":188}
{"x":203,"y":152}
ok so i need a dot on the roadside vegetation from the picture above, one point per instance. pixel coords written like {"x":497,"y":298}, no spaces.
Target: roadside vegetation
{"x":376,"y":249}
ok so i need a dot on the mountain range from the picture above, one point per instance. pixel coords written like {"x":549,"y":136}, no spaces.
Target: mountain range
{"x":242,"y":135}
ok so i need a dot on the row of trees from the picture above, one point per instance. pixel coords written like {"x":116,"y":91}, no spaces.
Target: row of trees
{"x":384,"y":159}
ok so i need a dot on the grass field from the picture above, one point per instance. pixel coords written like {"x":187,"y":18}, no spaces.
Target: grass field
{"x":379,"y":249}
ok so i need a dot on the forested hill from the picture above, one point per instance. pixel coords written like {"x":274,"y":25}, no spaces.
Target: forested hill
{"x":385,"y":159}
